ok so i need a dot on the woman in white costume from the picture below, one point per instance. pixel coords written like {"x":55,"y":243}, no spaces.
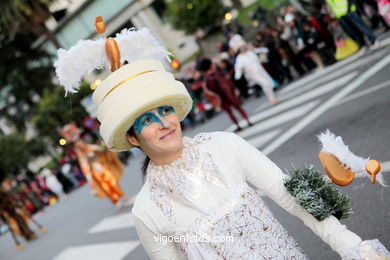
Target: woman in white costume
{"x":196,"y":188}
{"x":248,"y":63}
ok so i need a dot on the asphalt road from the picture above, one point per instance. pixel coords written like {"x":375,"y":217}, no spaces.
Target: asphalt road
{"x":351,"y":98}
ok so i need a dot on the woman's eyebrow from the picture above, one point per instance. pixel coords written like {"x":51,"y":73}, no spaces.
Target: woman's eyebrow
{"x":146,"y":114}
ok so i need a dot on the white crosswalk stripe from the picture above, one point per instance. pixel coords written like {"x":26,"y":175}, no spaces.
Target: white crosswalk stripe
{"x":325,"y":106}
{"x":334,"y":71}
{"x":279,"y":119}
{"x":385,"y":84}
{"x":112,"y":251}
{"x":328,"y":86}
{"x":303,"y":101}
{"x":262,"y":139}
{"x":112,"y":223}
{"x":317,"y":92}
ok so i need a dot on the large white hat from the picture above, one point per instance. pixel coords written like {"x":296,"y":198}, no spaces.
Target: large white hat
{"x":131,"y":91}
{"x":141,"y":85}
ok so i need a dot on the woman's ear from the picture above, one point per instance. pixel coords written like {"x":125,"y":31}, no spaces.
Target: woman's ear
{"x":132,"y":140}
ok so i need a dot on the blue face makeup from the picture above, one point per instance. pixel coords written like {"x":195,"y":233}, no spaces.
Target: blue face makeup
{"x":150,"y":117}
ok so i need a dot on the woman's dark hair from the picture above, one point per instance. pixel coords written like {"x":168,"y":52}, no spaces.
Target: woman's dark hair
{"x":146,"y":161}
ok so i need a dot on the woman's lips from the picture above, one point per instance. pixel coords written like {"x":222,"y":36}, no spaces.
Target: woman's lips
{"x":169,"y":134}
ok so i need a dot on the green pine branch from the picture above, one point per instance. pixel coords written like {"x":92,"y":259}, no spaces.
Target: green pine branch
{"x":314,"y":193}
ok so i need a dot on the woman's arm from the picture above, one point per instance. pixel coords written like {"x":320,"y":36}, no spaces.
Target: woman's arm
{"x":260,"y":171}
{"x":155,"y":244}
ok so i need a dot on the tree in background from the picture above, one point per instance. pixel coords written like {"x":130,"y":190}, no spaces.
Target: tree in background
{"x":191,"y":15}
{"x":24,"y":74}
{"x":27,"y":91}
{"x":16,"y":153}
{"x":54,"y":110}
{"x":26,"y":16}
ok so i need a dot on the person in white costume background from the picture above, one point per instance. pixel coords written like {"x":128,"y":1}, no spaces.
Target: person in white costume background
{"x":248,"y":63}
{"x":197,"y":187}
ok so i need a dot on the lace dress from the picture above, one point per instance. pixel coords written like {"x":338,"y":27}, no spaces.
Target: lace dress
{"x":203,"y":199}
{"x":241,"y":214}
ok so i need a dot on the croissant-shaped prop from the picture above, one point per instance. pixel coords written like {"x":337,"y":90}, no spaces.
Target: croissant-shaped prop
{"x":112,"y":49}
{"x":342,"y":166}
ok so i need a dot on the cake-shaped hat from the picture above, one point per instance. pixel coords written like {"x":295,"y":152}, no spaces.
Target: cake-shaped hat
{"x":130,"y":90}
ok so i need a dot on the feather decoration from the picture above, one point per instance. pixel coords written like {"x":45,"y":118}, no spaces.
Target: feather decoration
{"x":80,"y":60}
{"x":88,"y":55}
{"x":140,"y":44}
{"x":334,"y":145}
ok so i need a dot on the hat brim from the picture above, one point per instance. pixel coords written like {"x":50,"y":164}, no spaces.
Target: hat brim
{"x":123,"y":113}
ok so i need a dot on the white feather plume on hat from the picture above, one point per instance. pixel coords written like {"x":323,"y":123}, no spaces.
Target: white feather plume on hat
{"x":334,"y":145}
{"x":138,"y":45}
{"x":81,"y":59}
{"x":88,"y":55}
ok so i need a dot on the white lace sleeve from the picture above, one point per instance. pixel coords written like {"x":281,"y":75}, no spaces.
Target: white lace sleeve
{"x":260,"y":171}
{"x":155,"y":247}
{"x":368,"y":249}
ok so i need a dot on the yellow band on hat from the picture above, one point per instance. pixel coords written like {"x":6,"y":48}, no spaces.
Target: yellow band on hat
{"x":123,"y":81}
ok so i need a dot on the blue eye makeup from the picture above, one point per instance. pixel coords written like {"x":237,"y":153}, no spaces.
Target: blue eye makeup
{"x":165,"y":110}
{"x":150,"y":117}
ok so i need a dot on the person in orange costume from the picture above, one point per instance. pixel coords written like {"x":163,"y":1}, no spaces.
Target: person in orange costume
{"x":100,"y":166}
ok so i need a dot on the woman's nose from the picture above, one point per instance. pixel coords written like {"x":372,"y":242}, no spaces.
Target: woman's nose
{"x":164,"y":122}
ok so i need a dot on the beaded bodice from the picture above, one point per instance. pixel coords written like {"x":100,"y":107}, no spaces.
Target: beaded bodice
{"x":235,"y":211}
{"x":185,"y":179}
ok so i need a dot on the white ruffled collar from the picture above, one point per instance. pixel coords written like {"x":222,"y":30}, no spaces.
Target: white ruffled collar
{"x":183,"y":179}
{"x":189,"y":144}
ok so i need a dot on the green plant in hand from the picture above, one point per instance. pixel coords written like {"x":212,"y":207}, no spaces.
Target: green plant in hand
{"x":314,"y":193}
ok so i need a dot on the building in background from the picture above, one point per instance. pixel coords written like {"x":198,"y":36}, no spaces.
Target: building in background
{"x":73,"y":20}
